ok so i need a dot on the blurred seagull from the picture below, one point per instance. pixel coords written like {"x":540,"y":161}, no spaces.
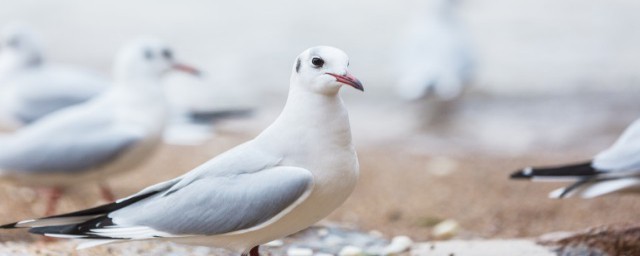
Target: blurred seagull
{"x":91,"y":141}
{"x":296,"y":172}
{"x":434,"y":55}
{"x":198,"y":104}
{"x":31,"y":88}
{"x":616,"y":169}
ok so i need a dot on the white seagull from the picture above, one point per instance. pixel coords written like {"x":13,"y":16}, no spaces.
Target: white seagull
{"x":30,"y":87}
{"x":91,"y":141}
{"x":616,"y":169}
{"x":434,"y":55}
{"x":292,"y":175}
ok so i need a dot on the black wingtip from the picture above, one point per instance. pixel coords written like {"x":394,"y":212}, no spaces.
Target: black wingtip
{"x":575,"y":170}
{"x":9,"y":226}
{"x":522,"y":174}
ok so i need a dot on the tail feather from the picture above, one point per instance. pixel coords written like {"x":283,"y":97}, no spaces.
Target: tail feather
{"x":569,"y":190}
{"x":78,"y":216}
{"x":574,"y":171}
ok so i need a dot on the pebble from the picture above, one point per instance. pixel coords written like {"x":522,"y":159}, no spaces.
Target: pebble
{"x":27,"y":194}
{"x":445,"y":229}
{"x":441,"y":166}
{"x":350,"y":250}
{"x":323,"y":232}
{"x":398,"y":244}
{"x":299,"y":252}
{"x":274,"y":243}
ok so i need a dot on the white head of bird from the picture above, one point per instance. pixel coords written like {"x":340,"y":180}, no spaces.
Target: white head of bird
{"x":19,"y":48}
{"x":146,"y":60}
{"x":323,"y":70}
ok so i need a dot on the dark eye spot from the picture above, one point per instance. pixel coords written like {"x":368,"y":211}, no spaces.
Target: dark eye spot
{"x":298,"y":65}
{"x":148,"y":54}
{"x":317,"y":62}
{"x":167,"y":54}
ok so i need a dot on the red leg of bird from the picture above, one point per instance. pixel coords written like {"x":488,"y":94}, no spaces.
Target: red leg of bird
{"x":53,"y":195}
{"x":255,"y":251}
{"x":106,"y":193}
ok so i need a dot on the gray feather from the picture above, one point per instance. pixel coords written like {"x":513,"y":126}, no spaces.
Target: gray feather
{"x":216,"y":205}
{"x":68,"y":141}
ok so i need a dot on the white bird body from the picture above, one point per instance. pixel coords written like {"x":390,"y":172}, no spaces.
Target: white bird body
{"x":91,"y":141}
{"x":322,"y":145}
{"x":31,"y":88}
{"x":293,"y":174}
{"x":137,"y":110}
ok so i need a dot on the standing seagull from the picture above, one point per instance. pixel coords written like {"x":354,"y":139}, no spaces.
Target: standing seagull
{"x":91,"y":141}
{"x":615,"y":169}
{"x":31,"y":88}
{"x":292,"y":175}
{"x":434,"y":55}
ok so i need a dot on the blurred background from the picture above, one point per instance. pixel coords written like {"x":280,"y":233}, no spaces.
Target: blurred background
{"x":553,"y":82}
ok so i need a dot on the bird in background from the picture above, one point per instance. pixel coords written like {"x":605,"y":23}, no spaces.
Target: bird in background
{"x":293,"y":174}
{"x":198,"y":105}
{"x":616,"y":169}
{"x":30,"y":86}
{"x":434,"y":55}
{"x":89,"y":142}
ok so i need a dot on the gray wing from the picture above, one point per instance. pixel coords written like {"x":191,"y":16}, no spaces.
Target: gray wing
{"x":52,"y":89}
{"x":36,"y":108}
{"x":624,"y":155}
{"x":216,"y":205}
{"x":66,"y":152}
{"x":71,"y":140}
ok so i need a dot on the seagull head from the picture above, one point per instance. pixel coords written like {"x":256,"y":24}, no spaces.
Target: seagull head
{"x":148,"y":58}
{"x":323,"y":69}
{"x":19,"y":46}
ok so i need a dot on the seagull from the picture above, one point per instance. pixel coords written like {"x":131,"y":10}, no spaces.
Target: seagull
{"x":108,"y":134}
{"x":30,"y":87}
{"x":434,"y":55}
{"x":293,"y":174}
{"x":616,"y":169}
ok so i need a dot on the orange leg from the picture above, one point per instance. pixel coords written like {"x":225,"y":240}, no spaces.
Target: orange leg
{"x":53,"y":196}
{"x":106,"y":193}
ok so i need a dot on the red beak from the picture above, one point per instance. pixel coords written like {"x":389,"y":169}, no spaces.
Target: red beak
{"x":348,"y":79}
{"x":186,"y":68}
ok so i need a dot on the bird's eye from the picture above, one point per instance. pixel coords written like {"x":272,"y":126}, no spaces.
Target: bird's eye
{"x":167,"y":54}
{"x":148,"y":54}
{"x":317,"y":62}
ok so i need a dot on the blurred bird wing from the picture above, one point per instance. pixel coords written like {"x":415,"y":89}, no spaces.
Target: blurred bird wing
{"x":597,"y":188}
{"x":49,"y":90}
{"x":624,"y":155}
{"x":73,"y":140}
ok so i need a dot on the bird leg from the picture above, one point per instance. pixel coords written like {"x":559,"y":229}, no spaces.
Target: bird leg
{"x":255,"y":251}
{"x":53,"y":195}
{"x":106,"y":193}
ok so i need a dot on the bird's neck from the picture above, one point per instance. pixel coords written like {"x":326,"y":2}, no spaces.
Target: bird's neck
{"x":140,"y":102}
{"x":10,"y":65}
{"x":312,"y":119}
